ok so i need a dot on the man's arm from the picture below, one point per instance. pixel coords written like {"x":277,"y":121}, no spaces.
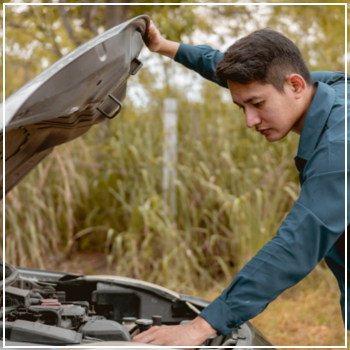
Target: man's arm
{"x":202,"y":58}
{"x":310,"y":230}
{"x":156,"y":43}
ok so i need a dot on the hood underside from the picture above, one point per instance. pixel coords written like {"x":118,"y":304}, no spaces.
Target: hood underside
{"x":82,"y":89}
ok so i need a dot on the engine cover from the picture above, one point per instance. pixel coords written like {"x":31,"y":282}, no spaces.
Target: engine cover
{"x":104,"y":330}
{"x":21,"y":330}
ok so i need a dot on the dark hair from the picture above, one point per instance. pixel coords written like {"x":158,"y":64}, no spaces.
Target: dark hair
{"x":264,"y":55}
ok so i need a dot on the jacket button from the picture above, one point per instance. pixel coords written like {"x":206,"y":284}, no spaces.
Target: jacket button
{"x":231,"y":325}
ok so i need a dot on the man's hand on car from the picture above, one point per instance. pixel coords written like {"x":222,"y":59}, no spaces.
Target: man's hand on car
{"x":154,"y":39}
{"x":192,"y":333}
{"x":156,"y":43}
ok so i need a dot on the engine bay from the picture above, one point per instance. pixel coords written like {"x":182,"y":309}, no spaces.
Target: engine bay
{"x":51,"y":308}
{"x":42,"y":315}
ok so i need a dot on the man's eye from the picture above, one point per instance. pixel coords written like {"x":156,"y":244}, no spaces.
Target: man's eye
{"x":258,"y":104}
{"x":241,"y":107}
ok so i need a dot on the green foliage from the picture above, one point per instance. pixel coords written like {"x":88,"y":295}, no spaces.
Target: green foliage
{"x":321,"y":38}
{"x":36,"y":36}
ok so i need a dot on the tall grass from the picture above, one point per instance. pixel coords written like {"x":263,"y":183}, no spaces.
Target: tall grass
{"x":233,"y":189}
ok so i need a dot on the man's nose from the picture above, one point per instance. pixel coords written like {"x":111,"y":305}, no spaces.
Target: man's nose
{"x":251,"y":118}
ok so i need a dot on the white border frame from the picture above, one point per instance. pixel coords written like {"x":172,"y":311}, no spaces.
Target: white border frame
{"x":184,"y":4}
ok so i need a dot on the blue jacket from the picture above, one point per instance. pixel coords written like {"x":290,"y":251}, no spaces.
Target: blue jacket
{"x":315,"y":227}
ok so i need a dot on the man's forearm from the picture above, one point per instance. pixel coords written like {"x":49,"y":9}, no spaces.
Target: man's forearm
{"x":169,"y":48}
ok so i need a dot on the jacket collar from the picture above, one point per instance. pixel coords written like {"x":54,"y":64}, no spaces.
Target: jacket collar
{"x":314,"y":123}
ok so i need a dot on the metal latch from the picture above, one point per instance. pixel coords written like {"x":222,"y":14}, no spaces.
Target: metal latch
{"x":135,"y":66}
{"x":117,"y":112}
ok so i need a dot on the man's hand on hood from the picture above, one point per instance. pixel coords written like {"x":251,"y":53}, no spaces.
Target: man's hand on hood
{"x":156,"y":43}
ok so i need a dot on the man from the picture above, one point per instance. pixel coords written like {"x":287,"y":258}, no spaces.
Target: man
{"x":269,"y":80}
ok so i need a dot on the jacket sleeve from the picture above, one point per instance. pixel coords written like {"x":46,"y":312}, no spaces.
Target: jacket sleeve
{"x":312,"y":227}
{"x":203,"y":60}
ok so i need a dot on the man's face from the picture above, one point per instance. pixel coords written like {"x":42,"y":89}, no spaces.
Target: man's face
{"x":269,"y":111}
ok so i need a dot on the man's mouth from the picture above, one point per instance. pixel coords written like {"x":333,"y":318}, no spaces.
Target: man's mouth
{"x":263,"y":131}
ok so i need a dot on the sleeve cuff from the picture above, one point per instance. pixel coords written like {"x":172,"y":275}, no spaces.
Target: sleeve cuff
{"x":220,"y":317}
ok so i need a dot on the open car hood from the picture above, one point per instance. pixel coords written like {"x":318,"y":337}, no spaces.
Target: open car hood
{"x":80,"y":90}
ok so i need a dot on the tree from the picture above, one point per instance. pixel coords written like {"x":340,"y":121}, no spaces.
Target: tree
{"x":36,"y":36}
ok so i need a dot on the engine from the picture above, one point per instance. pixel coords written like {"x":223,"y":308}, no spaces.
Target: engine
{"x":52,"y":308}
{"x":42,"y":315}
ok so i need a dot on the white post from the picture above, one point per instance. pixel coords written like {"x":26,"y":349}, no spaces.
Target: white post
{"x":170,"y":151}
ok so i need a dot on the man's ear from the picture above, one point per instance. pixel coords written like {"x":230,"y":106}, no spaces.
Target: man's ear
{"x":297,"y":84}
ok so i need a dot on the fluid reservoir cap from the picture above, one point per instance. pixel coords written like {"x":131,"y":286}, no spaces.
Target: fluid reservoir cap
{"x":144,"y":322}
{"x":129,"y":319}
